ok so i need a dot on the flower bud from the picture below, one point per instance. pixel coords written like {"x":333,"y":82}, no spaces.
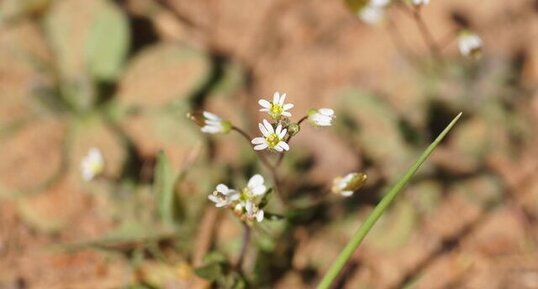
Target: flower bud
{"x":348,"y":184}
{"x":293,"y":129}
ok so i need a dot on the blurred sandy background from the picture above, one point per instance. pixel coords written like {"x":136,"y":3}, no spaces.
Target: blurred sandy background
{"x":120,"y":75}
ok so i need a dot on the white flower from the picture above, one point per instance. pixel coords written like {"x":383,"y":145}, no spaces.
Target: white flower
{"x":470,"y":44}
{"x":272,"y":139}
{"x":373,"y":12}
{"x":245,"y":203}
{"x":420,"y":2}
{"x":255,"y":187}
{"x":321,"y":117}
{"x":214,"y":124}
{"x":277,"y":108}
{"x":92,"y":165}
{"x":223,"y":196}
{"x":348,"y":184}
{"x":253,"y":212}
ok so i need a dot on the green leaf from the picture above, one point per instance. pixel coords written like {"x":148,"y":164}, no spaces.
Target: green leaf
{"x":88,"y":37}
{"x":210,"y":272}
{"x":107,"y":43}
{"x":164,"y":189}
{"x":378,"y":211}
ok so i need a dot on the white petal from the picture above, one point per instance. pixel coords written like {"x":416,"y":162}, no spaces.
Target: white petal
{"x":278,"y":148}
{"x":276,"y":97}
{"x":268,"y":126}
{"x":249,"y":207}
{"x":222,"y":188}
{"x":255,"y":180}
{"x":261,"y":146}
{"x":346,"y":193}
{"x":287,"y":106}
{"x":259,"y":190}
{"x":278,"y":129}
{"x":258,"y":140}
{"x":234,"y":196}
{"x":211,"y":116}
{"x":283,"y":145}
{"x":282,"y":133}
{"x":263,"y":129}
{"x":264,"y":103}
{"x":264,"y":109}
{"x":213,"y":199}
{"x":259,"y":216}
{"x":286,"y":113}
{"x":326,"y":111}
{"x":210,"y":129}
{"x":282,"y":97}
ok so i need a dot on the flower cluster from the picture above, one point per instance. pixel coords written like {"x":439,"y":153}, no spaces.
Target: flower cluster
{"x":92,"y":165}
{"x":245,"y":203}
{"x":276,"y":131}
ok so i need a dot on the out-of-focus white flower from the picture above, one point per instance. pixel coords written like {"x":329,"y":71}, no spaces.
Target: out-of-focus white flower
{"x":321,"y":117}
{"x":348,"y":184}
{"x":223,"y":196}
{"x":272,"y":139}
{"x":245,"y":203}
{"x":210,"y":122}
{"x":470,"y":44}
{"x":373,"y":12}
{"x":420,"y":2}
{"x":277,"y":108}
{"x":92,"y":165}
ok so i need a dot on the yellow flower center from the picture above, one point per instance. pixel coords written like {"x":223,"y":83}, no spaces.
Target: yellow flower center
{"x":276,"y":110}
{"x":272,"y":140}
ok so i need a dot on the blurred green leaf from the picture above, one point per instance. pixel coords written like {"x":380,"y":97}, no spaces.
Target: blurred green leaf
{"x":107,"y":43}
{"x":163,"y":76}
{"x":164,"y":189}
{"x":210,"y":272}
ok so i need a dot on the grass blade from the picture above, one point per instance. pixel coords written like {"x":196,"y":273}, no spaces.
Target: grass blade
{"x":359,"y":236}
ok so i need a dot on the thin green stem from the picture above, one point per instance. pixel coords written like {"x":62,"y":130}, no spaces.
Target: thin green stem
{"x":359,"y":236}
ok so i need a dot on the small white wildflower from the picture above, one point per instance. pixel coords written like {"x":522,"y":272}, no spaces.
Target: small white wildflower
{"x":272,"y":139}
{"x":321,"y":117}
{"x":92,"y":165}
{"x":223,"y":196}
{"x":348,"y":184}
{"x":210,"y":122}
{"x":277,"y":108}
{"x":420,"y":2}
{"x":470,"y":44}
{"x":214,"y":124}
{"x":245,"y":203}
